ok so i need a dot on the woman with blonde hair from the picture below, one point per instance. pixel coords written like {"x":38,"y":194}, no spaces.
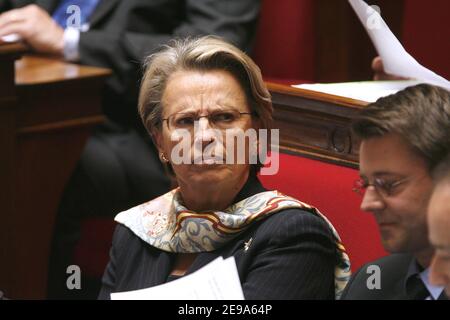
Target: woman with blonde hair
{"x":195,"y":93}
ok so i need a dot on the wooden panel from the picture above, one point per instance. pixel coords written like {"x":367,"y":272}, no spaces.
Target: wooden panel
{"x":47,"y":117}
{"x":8,"y":107}
{"x":51,"y":103}
{"x":8,"y":54}
{"x":47,"y":97}
{"x":44,"y":162}
{"x":315,"y":125}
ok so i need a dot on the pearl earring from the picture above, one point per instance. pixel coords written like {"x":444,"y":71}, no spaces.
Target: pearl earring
{"x":163,"y":158}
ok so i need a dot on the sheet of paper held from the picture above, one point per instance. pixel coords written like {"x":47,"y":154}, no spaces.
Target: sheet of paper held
{"x":218,"y":280}
{"x":396,"y":60}
{"x":368,"y":91}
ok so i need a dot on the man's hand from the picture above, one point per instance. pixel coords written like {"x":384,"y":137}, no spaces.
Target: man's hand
{"x":35,"y":27}
{"x":379,"y":73}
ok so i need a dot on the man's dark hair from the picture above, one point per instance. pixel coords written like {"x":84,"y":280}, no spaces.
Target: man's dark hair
{"x":419,"y":114}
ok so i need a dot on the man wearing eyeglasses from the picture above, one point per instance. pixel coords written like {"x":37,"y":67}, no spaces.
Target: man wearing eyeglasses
{"x":403,"y":137}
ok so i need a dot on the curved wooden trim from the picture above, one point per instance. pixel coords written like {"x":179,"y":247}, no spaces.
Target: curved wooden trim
{"x":316,"y":125}
{"x":319,"y":96}
{"x":318,"y":156}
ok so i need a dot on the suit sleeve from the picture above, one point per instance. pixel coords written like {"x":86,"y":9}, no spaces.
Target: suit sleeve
{"x":355,"y":280}
{"x":4,"y":6}
{"x":297,"y":263}
{"x":109,"y":276}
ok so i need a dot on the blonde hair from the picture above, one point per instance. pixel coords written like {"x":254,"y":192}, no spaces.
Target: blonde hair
{"x":202,"y":54}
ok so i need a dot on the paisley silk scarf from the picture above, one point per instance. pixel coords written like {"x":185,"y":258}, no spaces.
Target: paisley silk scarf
{"x":165,"y":223}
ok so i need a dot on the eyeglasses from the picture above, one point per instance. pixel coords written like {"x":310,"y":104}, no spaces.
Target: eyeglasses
{"x":383,"y":187}
{"x":220,"y":119}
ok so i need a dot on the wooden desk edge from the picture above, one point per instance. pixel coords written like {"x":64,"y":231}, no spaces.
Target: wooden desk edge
{"x":15,"y":48}
{"x":315,"y":95}
{"x":325,"y":118}
{"x":29,"y":73}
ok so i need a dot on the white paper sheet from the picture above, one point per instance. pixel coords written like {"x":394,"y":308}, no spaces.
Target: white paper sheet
{"x":218,"y":280}
{"x":368,"y":91}
{"x":396,"y":60}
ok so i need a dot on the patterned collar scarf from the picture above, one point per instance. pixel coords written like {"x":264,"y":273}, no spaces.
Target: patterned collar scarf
{"x":165,"y":223}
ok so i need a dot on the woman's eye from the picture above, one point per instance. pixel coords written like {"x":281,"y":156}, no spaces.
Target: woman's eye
{"x":223,"y":117}
{"x":185,"y":121}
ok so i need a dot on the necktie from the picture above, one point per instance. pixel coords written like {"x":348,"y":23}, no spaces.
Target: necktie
{"x":416,"y":289}
{"x":86,"y":8}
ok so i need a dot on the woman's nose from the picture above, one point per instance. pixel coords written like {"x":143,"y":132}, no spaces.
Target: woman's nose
{"x":204,"y":133}
{"x":372,"y":201}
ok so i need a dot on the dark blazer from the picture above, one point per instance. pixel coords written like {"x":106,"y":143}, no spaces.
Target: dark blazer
{"x":393,"y":271}
{"x":292,"y":256}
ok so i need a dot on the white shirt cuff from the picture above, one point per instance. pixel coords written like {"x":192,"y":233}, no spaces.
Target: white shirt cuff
{"x":71,"y":40}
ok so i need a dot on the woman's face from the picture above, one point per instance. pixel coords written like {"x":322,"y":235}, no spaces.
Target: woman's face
{"x":203,"y":114}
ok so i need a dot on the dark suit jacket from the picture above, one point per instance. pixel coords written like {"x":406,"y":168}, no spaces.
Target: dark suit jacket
{"x":292,"y":256}
{"x":394,"y":271}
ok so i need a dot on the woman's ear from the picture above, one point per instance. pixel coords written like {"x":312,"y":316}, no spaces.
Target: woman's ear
{"x":158,"y":139}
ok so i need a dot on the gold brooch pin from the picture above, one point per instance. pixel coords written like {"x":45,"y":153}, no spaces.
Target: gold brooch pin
{"x":247,"y":244}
